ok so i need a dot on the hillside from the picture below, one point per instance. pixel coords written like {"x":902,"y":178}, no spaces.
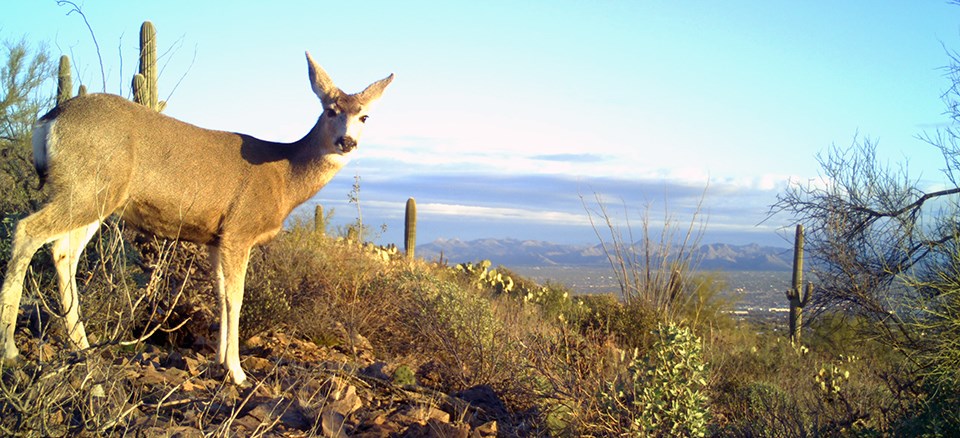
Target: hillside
{"x":514,"y":252}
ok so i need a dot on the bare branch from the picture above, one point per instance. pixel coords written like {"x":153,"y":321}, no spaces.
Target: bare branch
{"x":75,"y":8}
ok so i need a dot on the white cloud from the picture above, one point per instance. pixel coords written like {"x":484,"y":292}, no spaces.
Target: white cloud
{"x":474,"y":212}
{"x":509,"y":214}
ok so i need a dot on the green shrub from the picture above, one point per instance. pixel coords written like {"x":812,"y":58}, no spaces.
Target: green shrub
{"x":662,"y":393}
{"x":765,"y":409}
{"x":458,"y":324}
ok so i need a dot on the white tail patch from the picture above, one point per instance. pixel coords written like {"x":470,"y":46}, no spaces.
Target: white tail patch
{"x":42,"y":147}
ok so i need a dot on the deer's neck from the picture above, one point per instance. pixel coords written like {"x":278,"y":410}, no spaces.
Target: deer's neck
{"x":313,"y":165}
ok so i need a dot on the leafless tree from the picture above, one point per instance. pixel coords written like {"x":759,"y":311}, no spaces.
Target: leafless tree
{"x":875,"y":232}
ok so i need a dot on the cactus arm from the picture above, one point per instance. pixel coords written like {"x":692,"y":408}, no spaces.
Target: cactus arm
{"x":807,"y":293}
{"x":791,"y":294}
{"x":64,"y":81}
{"x":145,"y":82}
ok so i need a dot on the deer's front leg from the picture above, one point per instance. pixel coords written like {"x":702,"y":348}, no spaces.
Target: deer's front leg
{"x":231,"y":266}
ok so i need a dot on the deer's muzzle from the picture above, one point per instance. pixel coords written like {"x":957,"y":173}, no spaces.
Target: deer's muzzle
{"x":346,"y":144}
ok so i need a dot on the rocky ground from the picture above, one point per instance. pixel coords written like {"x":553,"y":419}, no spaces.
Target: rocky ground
{"x":295,"y":388}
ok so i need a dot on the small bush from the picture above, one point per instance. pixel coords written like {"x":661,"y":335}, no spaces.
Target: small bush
{"x":326,"y":289}
{"x":765,"y":409}
{"x":662,"y":393}
{"x":459,"y":326}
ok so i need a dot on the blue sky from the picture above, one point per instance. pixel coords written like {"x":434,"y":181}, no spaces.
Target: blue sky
{"x":504,"y":113}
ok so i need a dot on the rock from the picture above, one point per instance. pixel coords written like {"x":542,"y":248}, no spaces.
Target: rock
{"x":341,"y":401}
{"x":193,"y":366}
{"x":423,"y":414}
{"x":376,"y":370}
{"x":175,"y":360}
{"x":289,"y":412}
{"x":258,"y":364}
{"x":254,"y":342}
{"x":360,"y":342}
{"x":488,"y":429}
{"x":385,"y":430}
{"x":346,"y":405}
{"x":149,"y":375}
{"x":485,"y":398}
{"x":343,"y":395}
{"x":148,"y":358}
{"x":247,"y":422}
{"x":332,"y":424}
{"x":430,"y":374}
{"x":440,"y":429}
{"x":378,"y":427}
{"x":193,"y":385}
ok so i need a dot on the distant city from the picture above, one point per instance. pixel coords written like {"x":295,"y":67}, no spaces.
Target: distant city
{"x":514,"y":253}
{"x":754,"y":277}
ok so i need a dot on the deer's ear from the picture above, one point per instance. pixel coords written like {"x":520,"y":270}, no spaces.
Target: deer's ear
{"x":322,"y":85}
{"x":375,"y":90}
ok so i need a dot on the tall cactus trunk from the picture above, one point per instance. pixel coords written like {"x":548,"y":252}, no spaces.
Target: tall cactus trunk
{"x":410,"y":229}
{"x":797,"y":295}
{"x":64,"y":81}
{"x":145,"y":83}
{"x":319,"y":222}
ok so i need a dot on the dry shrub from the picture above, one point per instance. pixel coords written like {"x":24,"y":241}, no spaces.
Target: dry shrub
{"x":457,"y":325}
{"x":136,"y":288}
{"x":766,"y":386}
{"x":329,"y":290}
{"x":61,"y":396}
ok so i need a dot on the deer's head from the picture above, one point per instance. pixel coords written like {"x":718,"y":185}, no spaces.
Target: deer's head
{"x":343,"y":114}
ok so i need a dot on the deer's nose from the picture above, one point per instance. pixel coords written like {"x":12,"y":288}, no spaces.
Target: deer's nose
{"x":346,"y":144}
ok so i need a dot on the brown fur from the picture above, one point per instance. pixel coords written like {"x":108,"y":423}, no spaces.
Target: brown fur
{"x":102,"y":154}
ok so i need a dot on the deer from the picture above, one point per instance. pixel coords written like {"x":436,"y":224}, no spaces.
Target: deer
{"x":101,"y":155}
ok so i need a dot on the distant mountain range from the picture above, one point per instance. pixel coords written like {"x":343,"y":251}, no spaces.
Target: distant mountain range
{"x":516,"y":253}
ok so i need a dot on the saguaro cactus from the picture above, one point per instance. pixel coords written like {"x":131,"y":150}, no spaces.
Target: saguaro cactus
{"x":64,"y":81}
{"x":319,"y":223}
{"x":145,"y":83}
{"x":797,"y":295}
{"x":410,"y":229}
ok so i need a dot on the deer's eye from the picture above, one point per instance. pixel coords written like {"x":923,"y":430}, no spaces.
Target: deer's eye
{"x":363,"y":119}
{"x":331,"y":112}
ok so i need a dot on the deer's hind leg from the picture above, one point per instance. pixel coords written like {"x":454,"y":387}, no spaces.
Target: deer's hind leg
{"x":46,"y":225}
{"x":66,"y":254}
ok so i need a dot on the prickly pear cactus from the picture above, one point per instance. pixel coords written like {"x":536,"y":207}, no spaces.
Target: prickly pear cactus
{"x":483,"y":278}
